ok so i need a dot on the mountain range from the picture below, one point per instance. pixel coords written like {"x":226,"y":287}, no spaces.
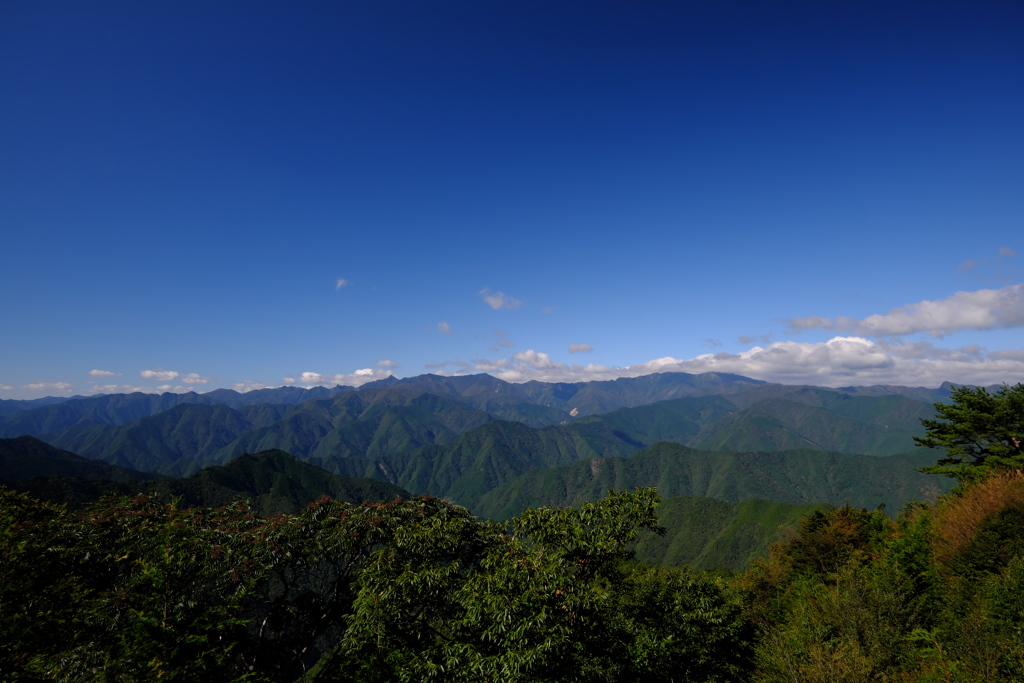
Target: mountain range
{"x":703,"y":532}
{"x":499,"y":448}
{"x":272,"y":481}
{"x":181,"y":433}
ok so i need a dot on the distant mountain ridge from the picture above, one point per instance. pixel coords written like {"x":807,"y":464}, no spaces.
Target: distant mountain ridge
{"x":541,"y":401}
{"x":273,"y":481}
{"x":26,"y":457}
{"x":396,"y":430}
{"x":703,"y":532}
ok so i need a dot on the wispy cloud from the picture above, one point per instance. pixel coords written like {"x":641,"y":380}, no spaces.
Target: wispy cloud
{"x":342,"y":282}
{"x":759,"y":339}
{"x":387,"y":364}
{"x":580,"y":348}
{"x":444,"y":328}
{"x":461,"y":364}
{"x":840,"y":361}
{"x":984,"y":309}
{"x":131,"y":389}
{"x":353,"y":379}
{"x":247,"y":385}
{"x":103,"y":373}
{"x":499,"y":300}
{"x":159,"y":374}
{"x":195,"y":378}
{"x":997,"y":268}
{"x":502,"y":340}
{"x":59,"y":387}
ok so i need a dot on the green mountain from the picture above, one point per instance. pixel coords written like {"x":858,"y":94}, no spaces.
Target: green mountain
{"x":868,"y":425}
{"x":367,"y":425}
{"x":799,"y":417}
{"x":449,"y":442}
{"x":491,"y":455}
{"x":826,"y":397}
{"x":119,"y":409}
{"x":10,"y":406}
{"x":579,"y":398}
{"x":26,"y":457}
{"x":796,"y":476}
{"x":174,"y":442}
{"x":537,"y":404}
{"x":709,"y":411}
{"x":272,"y":481}
{"x":187,"y":437}
{"x":680,"y":420}
{"x":707,"y":533}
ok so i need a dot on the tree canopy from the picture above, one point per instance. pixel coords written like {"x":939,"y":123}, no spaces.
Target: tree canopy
{"x":414,"y":590}
{"x":980,"y":431}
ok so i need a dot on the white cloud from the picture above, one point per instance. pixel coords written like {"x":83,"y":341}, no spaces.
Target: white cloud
{"x":498,"y":300}
{"x":119,"y":389}
{"x":247,"y":385}
{"x":103,"y":373}
{"x":984,"y":309}
{"x":840,"y":361}
{"x":195,"y":378}
{"x":580,"y":348}
{"x":342,"y":282}
{"x":355,"y":379}
{"x":444,"y":328}
{"x":387,"y":364}
{"x":536,"y":359}
{"x":159,"y":375}
{"x":59,"y":387}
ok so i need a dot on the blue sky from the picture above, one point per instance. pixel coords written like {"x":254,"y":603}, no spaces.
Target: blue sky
{"x":243,"y":194}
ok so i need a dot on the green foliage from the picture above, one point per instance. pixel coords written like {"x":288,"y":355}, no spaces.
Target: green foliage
{"x":134,"y":591}
{"x":980,"y":432}
{"x":139,"y":590}
{"x":931,"y":596}
{"x":546,"y":599}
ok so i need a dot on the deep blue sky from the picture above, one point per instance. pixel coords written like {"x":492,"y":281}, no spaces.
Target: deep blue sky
{"x":183,"y":185}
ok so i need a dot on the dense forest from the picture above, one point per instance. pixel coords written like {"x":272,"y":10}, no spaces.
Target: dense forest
{"x":155,"y":587}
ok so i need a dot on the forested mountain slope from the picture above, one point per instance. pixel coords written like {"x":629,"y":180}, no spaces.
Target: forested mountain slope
{"x":803,"y":418}
{"x":795,"y":476}
{"x":273,"y":481}
{"x":707,"y":533}
{"x":26,"y":457}
{"x":385,"y":424}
